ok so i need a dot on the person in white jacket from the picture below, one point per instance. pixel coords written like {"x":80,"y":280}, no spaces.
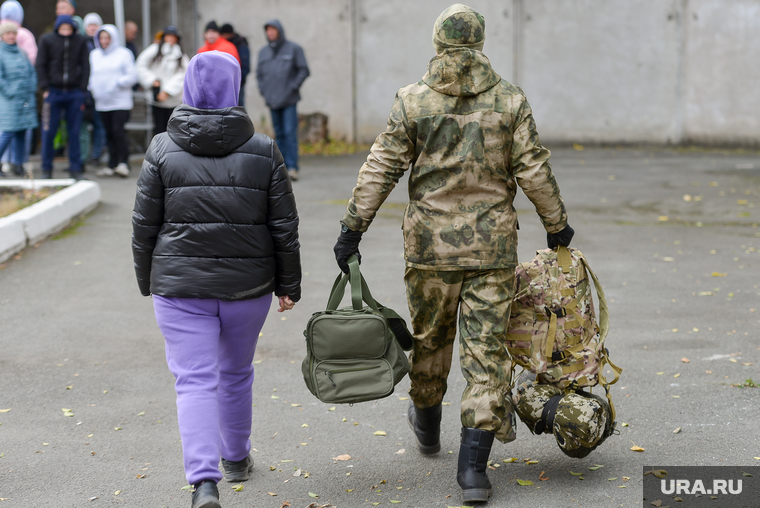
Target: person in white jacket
{"x":161,"y":68}
{"x":112,"y":75}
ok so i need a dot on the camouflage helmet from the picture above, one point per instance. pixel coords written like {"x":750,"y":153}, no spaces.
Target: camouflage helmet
{"x":580,"y":421}
{"x":459,"y":26}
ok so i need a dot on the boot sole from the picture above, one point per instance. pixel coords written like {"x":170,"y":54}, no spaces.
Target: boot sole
{"x":425,"y":450}
{"x":476,"y":495}
{"x":212,"y":503}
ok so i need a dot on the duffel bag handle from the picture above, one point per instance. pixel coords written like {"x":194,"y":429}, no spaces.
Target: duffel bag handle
{"x":359,"y":288}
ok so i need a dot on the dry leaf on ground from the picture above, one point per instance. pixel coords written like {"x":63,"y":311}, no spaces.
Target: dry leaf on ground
{"x":342,"y":457}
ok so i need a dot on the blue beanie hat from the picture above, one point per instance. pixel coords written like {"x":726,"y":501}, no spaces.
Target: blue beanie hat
{"x":65,"y":18}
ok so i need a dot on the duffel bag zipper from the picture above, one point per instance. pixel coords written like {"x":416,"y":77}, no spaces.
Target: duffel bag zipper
{"x":329,"y":373}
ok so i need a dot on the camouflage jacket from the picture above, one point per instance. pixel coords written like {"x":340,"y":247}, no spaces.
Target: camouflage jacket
{"x":470,"y":139}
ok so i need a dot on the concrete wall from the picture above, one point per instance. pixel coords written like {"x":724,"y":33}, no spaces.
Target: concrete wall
{"x":595,"y":71}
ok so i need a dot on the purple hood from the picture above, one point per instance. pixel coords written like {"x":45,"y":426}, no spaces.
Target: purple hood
{"x":212,"y":81}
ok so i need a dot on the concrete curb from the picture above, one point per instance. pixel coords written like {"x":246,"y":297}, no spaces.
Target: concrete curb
{"x":32,"y":224}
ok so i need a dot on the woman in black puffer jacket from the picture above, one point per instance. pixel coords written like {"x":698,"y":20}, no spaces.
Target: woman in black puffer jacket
{"x":215,"y":233}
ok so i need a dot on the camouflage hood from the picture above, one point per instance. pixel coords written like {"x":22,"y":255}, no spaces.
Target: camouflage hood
{"x":460,"y":72}
{"x":459,"y":26}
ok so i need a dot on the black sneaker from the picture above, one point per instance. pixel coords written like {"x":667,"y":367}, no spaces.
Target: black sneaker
{"x":206,"y":495}
{"x":237,"y":471}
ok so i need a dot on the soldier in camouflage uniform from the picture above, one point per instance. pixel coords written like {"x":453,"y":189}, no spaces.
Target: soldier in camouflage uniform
{"x":469,"y":139}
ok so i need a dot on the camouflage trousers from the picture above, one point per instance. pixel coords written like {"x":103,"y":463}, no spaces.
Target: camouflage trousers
{"x":482,"y":300}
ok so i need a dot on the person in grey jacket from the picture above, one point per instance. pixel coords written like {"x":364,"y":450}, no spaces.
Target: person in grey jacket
{"x":280,"y":72}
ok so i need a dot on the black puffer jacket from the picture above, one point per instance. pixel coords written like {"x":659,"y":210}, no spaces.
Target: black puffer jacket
{"x":215,"y":215}
{"x":63,"y":62}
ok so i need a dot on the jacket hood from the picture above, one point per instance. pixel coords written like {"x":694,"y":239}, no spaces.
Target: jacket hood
{"x":115,"y":40}
{"x":275,"y":23}
{"x":92,"y":18}
{"x":460,"y":72}
{"x":65,"y":18}
{"x":12,"y":11}
{"x":209,"y":132}
{"x":459,"y":26}
{"x":212,"y":81}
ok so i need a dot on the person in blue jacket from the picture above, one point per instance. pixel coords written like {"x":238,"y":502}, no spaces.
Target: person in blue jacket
{"x":18,"y":84}
{"x":280,"y":72}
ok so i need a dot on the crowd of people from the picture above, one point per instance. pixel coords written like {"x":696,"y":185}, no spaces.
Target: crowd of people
{"x":78,"y":85}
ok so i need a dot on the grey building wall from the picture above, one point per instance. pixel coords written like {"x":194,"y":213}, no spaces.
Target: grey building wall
{"x":595,"y":71}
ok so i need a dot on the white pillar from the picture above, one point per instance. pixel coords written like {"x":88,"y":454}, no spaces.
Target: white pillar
{"x":118,"y":9}
{"x":147,"y":32}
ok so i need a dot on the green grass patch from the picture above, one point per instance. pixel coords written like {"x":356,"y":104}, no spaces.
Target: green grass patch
{"x":748,"y":383}
{"x":332,"y":147}
{"x":71,"y":229}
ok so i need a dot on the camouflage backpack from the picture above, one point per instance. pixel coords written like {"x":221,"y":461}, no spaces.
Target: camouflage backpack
{"x":553,"y":333}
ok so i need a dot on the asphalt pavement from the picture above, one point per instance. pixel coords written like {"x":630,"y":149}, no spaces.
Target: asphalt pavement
{"x":672,"y":234}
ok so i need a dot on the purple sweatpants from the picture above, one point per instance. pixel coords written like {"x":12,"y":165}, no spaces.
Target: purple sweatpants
{"x":209,"y":349}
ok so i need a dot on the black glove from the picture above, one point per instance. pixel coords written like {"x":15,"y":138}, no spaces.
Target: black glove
{"x":347,"y":244}
{"x":562,"y":238}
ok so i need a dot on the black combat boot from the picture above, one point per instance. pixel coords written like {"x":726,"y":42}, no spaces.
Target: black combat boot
{"x":206,"y":495}
{"x":471,"y":469}
{"x":426,"y":424}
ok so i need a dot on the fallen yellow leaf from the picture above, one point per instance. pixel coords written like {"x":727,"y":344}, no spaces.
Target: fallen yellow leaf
{"x":238,"y":488}
{"x":271,"y":493}
{"x":304,"y":425}
{"x":342,"y":457}
{"x":677,"y":430}
{"x":380,"y":433}
{"x":685,"y":360}
{"x":677,"y":375}
{"x":719,"y":274}
{"x":524,"y":482}
{"x":7,"y":410}
{"x":637,"y":448}
{"x":663,"y":218}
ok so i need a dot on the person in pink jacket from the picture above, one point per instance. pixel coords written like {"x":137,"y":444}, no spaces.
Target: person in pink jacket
{"x":12,"y":11}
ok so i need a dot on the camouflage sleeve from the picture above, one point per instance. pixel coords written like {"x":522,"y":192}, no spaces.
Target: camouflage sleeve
{"x":389,"y":157}
{"x":530,"y":166}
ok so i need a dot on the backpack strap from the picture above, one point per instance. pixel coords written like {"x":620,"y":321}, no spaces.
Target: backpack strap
{"x":604,"y":328}
{"x":546,"y":423}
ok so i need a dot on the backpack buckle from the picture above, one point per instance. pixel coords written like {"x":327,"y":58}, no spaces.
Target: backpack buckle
{"x":561,"y":312}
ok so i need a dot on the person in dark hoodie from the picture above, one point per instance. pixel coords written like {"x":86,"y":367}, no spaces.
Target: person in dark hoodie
{"x":241,"y":43}
{"x":215,"y":234}
{"x":63,"y":72}
{"x":280,"y":72}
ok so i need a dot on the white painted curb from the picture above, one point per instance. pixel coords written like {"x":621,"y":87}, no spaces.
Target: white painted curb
{"x":32,"y":224}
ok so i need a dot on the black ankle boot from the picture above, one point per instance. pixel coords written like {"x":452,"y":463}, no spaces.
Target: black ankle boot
{"x":426,"y":424}
{"x":473,"y":459}
{"x":206,"y":495}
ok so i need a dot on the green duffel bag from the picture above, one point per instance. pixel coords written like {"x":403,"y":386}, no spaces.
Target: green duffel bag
{"x":352,"y":354}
